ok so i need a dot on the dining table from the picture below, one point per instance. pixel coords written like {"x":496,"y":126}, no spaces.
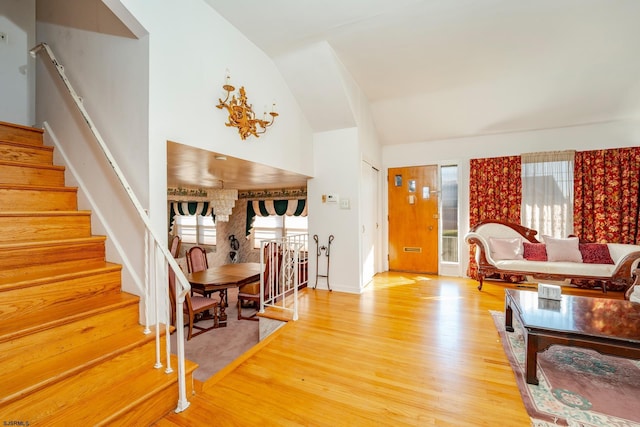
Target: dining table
{"x":221,"y":278}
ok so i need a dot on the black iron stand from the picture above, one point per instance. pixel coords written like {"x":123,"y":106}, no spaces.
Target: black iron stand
{"x":327,"y":251}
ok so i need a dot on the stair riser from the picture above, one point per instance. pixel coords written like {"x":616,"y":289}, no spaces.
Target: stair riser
{"x":20,"y":302}
{"x":29,"y":257}
{"x":15,"y":174}
{"x":43,"y":228}
{"x":151,"y":410}
{"x":22,"y":134}
{"x":21,"y":351}
{"x":26,"y":154}
{"x":65,"y":403}
{"x":12,"y":199}
{"x":23,"y":273}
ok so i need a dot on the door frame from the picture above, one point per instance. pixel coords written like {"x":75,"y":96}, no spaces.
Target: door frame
{"x":444,"y":269}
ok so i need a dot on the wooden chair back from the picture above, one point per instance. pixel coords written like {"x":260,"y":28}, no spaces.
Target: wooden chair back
{"x":193,"y":306}
{"x":174,"y":246}
{"x":197,"y":259}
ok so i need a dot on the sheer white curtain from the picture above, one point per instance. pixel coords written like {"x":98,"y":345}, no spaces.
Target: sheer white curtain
{"x":547,"y":192}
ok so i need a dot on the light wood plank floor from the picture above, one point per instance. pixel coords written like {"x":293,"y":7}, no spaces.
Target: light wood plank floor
{"x":411,"y":350}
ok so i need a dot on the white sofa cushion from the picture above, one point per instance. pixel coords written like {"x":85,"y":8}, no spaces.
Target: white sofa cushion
{"x":558,"y":268}
{"x":562,"y":249}
{"x":506,"y":248}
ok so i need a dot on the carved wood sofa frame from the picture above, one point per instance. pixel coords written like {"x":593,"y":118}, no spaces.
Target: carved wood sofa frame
{"x":622,"y":273}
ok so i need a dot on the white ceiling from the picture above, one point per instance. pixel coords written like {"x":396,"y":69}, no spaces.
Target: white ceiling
{"x":439,"y":69}
{"x":436,"y":69}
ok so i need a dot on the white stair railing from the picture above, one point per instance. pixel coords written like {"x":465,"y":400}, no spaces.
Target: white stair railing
{"x":158,"y":251}
{"x":287,"y":260}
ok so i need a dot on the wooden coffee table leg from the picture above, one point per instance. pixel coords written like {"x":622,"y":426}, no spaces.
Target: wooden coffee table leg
{"x":531,"y":361}
{"x":508,"y":315}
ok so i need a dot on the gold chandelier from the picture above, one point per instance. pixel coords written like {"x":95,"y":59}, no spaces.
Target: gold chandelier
{"x":241,"y":114}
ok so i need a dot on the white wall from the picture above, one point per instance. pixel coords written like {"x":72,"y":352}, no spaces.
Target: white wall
{"x":337,"y":171}
{"x":191,"y":46}
{"x":109,"y":70}
{"x":337,"y":157}
{"x":580,"y":138}
{"x":17,"y":68}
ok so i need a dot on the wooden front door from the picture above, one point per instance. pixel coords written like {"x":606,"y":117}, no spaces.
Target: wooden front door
{"x":413,"y":219}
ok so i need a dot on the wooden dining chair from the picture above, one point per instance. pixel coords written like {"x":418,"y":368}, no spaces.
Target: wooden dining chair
{"x":174,"y":246}
{"x":196,"y":308}
{"x":197,"y":261}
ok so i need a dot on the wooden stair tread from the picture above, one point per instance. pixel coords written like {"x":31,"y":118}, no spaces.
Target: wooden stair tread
{"x":276,"y":314}
{"x":23,"y":127}
{"x":98,"y":391}
{"x":44,"y":213}
{"x":31,"y":165}
{"x":20,"y":133}
{"x":37,"y":188}
{"x":58,"y":272}
{"x":64,"y":313}
{"x":47,"y":243}
{"x":138,"y":391}
{"x":34,"y":376}
{"x":23,"y":145}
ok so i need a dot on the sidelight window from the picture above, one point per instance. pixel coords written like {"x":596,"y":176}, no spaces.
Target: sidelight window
{"x":449,"y":200}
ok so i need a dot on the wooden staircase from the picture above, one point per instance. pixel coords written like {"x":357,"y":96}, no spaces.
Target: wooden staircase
{"x":72,"y":351}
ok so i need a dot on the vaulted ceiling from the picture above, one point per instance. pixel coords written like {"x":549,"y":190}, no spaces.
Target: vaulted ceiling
{"x":439,"y":69}
{"x":433,"y":70}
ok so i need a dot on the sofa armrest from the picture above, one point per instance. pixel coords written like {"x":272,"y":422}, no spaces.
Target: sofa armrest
{"x":634,"y":287}
{"x":483,"y":251}
{"x":619,"y":251}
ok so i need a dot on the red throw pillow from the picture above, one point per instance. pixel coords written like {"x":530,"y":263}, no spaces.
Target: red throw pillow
{"x":595,"y":253}
{"x":535,"y":251}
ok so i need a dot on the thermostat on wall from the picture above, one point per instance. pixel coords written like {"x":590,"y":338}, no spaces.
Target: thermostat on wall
{"x":332,"y":198}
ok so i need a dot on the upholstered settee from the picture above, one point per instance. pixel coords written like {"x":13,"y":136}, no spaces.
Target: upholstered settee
{"x":512,"y":249}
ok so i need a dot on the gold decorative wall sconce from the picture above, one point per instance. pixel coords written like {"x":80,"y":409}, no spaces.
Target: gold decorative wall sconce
{"x":241,"y":114}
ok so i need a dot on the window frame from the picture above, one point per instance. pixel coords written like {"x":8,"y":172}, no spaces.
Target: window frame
{"x":280,"y":231}
{"x":454,"y":243}
{"x":200,"y":230}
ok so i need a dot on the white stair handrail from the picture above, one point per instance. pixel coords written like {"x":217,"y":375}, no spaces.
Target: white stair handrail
{"x":185,"y":287}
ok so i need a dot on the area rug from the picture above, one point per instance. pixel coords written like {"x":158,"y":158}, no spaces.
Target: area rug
{"x":215,"y":349}
{"x":578,"y":387}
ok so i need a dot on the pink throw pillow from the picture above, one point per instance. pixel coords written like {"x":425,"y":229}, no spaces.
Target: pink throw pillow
{"x":535,"y":251}
{"x":563,"y":249}
{"x":595,"y":253}
{"x":505,"y":248}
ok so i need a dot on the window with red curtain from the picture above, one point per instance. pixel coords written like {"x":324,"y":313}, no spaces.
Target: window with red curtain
{"x":606,"y":195}
{"x":495,"y":192}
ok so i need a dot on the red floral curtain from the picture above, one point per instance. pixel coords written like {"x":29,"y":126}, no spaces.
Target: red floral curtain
{"x":495,"y":192}
{"x":606,"y":195}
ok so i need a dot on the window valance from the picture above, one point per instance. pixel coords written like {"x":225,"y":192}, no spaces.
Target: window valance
{"x":274,"y":207}
{"x":189,"y":208}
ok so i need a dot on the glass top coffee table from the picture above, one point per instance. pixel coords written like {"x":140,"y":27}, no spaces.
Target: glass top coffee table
{"x":605,"y":325}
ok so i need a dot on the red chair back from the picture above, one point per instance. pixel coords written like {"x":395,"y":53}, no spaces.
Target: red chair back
{"x":197,"y":259}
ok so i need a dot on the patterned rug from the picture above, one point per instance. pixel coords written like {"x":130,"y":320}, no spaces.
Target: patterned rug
{"x":578,"y":387}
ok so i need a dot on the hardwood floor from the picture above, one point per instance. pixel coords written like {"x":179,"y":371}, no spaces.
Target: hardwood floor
{"x":411,"y":350}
